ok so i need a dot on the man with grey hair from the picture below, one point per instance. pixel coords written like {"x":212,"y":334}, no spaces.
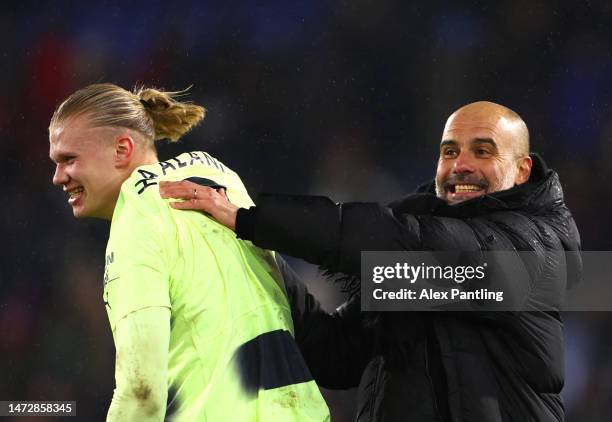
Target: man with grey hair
{"x":489,"y":194}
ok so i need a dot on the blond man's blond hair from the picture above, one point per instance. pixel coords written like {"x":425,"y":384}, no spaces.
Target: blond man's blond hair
{"x":153,"y":113}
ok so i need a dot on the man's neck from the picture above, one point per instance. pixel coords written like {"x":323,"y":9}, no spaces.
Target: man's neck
{"x":147,"y":158}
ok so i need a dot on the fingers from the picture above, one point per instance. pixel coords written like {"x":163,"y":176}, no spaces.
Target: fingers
{"x":223,"y":192}
{"x":179,"y":190}
{"x":207,"y":200}
{"x":184,"y":190}
{"x":194,"y":204}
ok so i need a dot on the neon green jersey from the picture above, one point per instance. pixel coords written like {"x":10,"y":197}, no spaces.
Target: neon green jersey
{"x":232,"y":355}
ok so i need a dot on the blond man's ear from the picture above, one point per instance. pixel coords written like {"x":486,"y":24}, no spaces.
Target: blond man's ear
{"x":124,"y":150}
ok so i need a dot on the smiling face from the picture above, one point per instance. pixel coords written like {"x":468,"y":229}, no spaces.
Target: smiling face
{"x":484,"y":149}
{"x":86,"y":166}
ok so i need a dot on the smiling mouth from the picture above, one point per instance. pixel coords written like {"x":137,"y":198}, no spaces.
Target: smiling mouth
{"x":75,"y":194}
{"x":464,"y":188}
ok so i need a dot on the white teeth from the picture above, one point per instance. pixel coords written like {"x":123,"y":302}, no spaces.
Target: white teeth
{"x":75,"y":192}
{"x":467,"y":188}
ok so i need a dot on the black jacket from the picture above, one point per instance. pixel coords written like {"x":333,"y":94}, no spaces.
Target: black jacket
{"x":435,"y":366}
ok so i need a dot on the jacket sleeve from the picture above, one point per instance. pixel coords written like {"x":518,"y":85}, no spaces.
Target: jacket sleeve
{"x":333,"y":235}
{"x":333,"y":345}
{"x":324,"y":233}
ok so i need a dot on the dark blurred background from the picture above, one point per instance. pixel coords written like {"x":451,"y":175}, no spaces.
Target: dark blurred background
{"x":344,"y":98}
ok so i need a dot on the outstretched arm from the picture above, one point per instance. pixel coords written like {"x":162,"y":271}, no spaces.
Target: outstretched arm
{"x":333,"y":235}
{"x":309,"y":227}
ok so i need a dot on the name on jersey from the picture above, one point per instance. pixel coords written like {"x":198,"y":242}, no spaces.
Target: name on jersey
{"x":149,"y":178}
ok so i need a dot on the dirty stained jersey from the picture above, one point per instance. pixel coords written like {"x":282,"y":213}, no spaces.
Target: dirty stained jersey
{"x":231,"y":348}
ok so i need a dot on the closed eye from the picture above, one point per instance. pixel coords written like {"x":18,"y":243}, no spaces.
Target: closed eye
{"x":65,"y":159}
